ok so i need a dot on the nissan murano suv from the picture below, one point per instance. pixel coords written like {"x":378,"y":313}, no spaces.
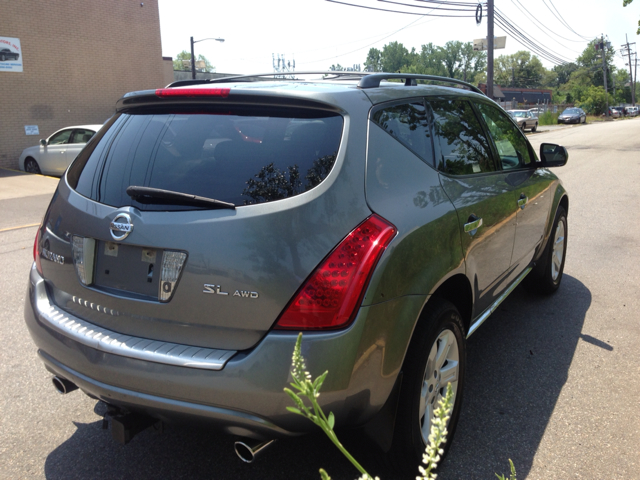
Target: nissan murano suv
{"x":386,"y":216}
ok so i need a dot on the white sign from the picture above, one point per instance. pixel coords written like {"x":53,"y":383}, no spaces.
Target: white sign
{"x":483,"y":44}
{"x":10,"y":55}
{"x":31,"y":130}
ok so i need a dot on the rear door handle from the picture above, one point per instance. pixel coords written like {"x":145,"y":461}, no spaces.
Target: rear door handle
{"x":472,"y":225}
{"x":522,"y":201}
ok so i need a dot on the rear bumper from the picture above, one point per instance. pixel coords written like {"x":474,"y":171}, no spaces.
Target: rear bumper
{"x":245,"y":397}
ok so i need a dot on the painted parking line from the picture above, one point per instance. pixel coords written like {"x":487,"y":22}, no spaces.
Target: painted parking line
{"x":18,"y":228}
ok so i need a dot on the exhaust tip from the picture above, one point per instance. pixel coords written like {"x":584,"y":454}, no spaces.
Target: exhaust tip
{"x":244,"y":452}
{"x":62,"y":385}
{"x":248,"y":453}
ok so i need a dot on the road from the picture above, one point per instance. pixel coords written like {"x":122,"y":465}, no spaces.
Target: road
{"x":553,"y":383}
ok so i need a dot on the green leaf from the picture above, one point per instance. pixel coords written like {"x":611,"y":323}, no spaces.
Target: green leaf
{"x":317,"y":384}
{"x":294,"y":410}
{"x":324,"y":475}
{"x":331,"y":420}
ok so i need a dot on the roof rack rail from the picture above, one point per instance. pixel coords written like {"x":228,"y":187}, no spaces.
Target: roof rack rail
{"x":255,"y":77}
{"x":373,"y":80}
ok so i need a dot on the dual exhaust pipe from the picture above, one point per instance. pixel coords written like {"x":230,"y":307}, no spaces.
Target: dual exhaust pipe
{"x":246,"y":450}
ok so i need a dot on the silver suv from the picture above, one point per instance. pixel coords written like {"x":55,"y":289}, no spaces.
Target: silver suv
{"x":209,"y":222}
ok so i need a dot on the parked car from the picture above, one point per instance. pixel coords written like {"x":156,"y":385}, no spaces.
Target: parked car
{"x":620,"y":110}
{"x":536,"y":111}
{"x":632,"y":111}
{"x":572,"y":115}
{"x":7,"y":54}
{"x":525,"y":119}
{"x":53,"y":155}
{"x":209,"y":222}
{"x":613,"y":113}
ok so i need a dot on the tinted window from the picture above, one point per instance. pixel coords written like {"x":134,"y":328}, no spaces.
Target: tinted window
{"x":510,"y":143}
{"x":464,"y":149}
{"x":233,"y":156}
{"x":409,"y":124}
{"x":60,"y":138}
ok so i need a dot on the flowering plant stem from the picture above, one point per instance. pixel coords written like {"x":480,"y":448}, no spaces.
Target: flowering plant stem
{"x":311,"y":390}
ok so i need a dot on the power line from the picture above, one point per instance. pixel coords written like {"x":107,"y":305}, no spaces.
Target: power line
{"x":530,"y":15}
{"x":562,"y":20}
{"x":399,"y":11}
{"x":522,"y":37}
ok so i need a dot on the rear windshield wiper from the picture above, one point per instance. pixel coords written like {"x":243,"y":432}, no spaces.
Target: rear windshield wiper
{"x":169,"y":197}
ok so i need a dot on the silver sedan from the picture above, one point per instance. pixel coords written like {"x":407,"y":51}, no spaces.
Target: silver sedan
{"x":525,"y":119}
{"x":55,"y":154}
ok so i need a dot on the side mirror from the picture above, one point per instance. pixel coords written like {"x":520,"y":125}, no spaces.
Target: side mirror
{"x":43,"y":142}
{"x":553,"y":155}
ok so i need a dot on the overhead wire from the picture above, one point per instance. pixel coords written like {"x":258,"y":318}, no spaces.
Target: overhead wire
{"x":530,"y":15}
{"x":522,"y":37}
{"x":398,"y":11}
{"x":562,"y":20}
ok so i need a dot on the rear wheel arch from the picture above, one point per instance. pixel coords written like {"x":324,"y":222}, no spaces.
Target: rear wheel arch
{"x":456,"y":290}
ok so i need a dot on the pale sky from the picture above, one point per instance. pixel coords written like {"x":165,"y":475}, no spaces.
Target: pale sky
{"x":318,"y":33}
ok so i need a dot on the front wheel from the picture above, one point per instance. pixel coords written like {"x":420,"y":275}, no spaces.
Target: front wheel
{"x":436,"y":358}
{"x":534,"y":128}
{"x":31,"y":166}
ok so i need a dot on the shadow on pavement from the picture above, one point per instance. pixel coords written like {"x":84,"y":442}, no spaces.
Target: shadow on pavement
{"x":517,"y":365}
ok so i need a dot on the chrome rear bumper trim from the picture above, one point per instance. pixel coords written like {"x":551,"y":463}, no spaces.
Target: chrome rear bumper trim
{"x":127,"y":346}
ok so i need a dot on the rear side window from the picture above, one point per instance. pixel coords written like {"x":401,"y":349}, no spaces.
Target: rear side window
{"x":409,"y":124}
{"x":464,"y":148}
{"x":238,"y":156}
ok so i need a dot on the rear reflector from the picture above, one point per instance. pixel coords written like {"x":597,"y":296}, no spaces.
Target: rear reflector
{"x":36,"y":252}
{"x":330,"y":297}
{"x":172,"y":263}
{"x":84,"y":254}
{"x":193,"y":92}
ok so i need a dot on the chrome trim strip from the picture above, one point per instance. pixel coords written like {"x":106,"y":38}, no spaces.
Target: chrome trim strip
{"x":487,"y":313}
{"x":127,"y":346}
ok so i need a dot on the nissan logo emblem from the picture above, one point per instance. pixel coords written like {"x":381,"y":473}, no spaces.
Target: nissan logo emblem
{"x":121,"y":227}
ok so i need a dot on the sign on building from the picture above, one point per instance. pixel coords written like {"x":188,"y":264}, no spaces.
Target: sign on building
{"x":10,"y":55}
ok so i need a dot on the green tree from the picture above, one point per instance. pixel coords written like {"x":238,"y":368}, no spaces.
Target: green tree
{"x":395,"y":56}
{"x":594,"y":100}
{"x":521,"y":70}
{"x":184,"y":55}
{"x":373,"y":63}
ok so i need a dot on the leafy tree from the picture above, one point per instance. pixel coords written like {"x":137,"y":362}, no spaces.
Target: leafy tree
{"x":337,"y":68}
{"x":452,"y":58}
{"x":395,"y":56}
{"x":594,"y":100}
{"x":521,"y":70}
{"x":473,"y":62}
{"x":184,"y":55}
{"x":373,"y":63}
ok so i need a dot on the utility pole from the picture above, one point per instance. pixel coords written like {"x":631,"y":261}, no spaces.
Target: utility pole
{"x":633,"y":80}
{"x":490,"y":49}
{"x":604,"y":72}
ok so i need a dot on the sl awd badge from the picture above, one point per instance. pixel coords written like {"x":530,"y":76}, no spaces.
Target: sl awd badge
{"x":217,"y":290}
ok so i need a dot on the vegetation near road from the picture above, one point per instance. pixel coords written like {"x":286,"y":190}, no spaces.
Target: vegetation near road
{"x":580,"y":82}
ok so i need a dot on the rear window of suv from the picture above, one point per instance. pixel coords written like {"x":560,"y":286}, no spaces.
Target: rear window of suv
{"x":239,"y":155}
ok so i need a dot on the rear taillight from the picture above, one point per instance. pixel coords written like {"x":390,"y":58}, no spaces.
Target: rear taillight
{"x":330,"y":296}
{"x":193,"y":92}
{"x":36,"y":252}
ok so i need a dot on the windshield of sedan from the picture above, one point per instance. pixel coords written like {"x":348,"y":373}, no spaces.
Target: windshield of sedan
{"x":571,"y":111}
{"x":519,"y":114}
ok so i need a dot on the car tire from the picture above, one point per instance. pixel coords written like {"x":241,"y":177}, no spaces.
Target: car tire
{"x":534,"y":128}
{"x":436,"y":357}
{"x":546,"y":276}
{"x":31,"y":166}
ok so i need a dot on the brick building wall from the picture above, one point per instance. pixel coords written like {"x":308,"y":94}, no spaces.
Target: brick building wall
{"x":79,"y":57}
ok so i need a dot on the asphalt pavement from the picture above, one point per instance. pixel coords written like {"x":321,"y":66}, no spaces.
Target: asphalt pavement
{"x":553,"y":382}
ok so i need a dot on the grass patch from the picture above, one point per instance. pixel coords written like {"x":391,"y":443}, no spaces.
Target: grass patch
{"x":548,"y":118}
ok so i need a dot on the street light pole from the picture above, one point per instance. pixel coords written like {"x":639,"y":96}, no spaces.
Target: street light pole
{"x":193,"y":57}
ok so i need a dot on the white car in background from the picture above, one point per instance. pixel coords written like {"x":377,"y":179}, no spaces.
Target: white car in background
{"x":55,"y":154}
